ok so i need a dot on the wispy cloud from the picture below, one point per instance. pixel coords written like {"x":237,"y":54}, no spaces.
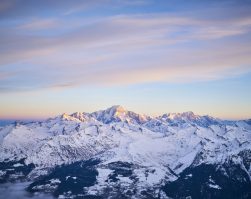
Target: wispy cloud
{"x":27,"y":8}
{"x":39,"y":24}
{"x":124,"y":49}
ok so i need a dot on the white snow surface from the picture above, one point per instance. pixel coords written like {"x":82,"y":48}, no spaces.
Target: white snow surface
{"x":165,"y":145}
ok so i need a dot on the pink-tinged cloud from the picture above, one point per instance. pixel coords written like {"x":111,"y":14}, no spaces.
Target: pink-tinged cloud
{"x":125,"y":50}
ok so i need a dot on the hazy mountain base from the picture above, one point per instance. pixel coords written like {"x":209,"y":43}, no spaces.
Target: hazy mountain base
{"x":11,"y":171}
{"x":17,"y":191}
{"x":75,"y":180}
{"x":68,"y":180}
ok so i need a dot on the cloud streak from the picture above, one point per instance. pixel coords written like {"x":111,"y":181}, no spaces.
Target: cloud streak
{"x":122,"y":49}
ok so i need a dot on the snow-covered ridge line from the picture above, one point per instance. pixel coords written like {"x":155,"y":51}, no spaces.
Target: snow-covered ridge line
{"x":165,"y":145}
{"x":118,"y":113}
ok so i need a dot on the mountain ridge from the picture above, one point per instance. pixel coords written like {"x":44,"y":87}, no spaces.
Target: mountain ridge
{"x":132,"y":150}
{"x":118,"y":110}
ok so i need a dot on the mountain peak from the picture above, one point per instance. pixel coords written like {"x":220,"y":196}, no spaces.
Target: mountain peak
{"x":117,"y":108}
{"x":67,"y":117}
{"x":185,"y":115}
{"x":80,"y":116}
{"x":118,"y":113}
{"x":189,"y":115}
{"x":114,"y":113}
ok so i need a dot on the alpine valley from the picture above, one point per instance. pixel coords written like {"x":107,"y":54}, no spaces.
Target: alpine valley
{"x":115,"y":153}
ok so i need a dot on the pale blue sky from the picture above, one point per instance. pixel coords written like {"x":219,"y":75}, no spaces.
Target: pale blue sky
{"x":149,"y":56}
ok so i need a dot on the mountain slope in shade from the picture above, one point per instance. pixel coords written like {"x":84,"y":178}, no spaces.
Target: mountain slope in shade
{"x":129,"y":155}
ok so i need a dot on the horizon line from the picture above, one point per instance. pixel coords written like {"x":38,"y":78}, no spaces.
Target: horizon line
{"x":36,"y":118}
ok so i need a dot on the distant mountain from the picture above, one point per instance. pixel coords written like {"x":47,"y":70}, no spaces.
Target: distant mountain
{"x":6,"y":122}
{"x":116,"y":153}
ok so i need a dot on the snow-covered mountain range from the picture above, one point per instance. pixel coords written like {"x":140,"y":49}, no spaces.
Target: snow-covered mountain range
{"x":115,"y":153}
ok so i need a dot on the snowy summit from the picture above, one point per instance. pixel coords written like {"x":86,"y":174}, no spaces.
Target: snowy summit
{"x":123,"y":151}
